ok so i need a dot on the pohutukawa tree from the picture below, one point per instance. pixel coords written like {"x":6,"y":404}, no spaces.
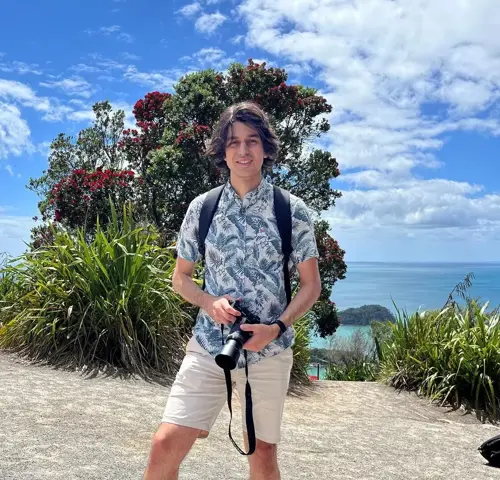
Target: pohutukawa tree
{"x":166,"y":165}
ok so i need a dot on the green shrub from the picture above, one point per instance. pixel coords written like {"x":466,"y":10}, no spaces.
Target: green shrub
{"x":356,"y":371}
{"x":381,"y":333}
{"x":301,"y":351}
{"x":451,"y":355}
{"x":352,"y":359}
{"x":91,"y":305}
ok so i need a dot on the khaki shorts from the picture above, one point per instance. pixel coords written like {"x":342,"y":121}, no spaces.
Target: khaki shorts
{"x":199,"y":393}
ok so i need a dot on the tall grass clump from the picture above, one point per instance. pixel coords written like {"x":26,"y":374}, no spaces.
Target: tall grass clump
{"x":93,"y":304}
{"x":451,"y":355}
{"x":301,"y":351}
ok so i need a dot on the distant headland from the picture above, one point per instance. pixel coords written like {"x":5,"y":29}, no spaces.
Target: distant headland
{"x":365,"y":314}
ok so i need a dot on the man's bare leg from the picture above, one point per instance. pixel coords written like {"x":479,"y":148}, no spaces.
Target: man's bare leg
{"x":170,"y":445}
{"x":264,"y":461}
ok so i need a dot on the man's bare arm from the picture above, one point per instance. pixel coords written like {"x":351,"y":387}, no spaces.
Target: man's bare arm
{"x":309,"y":292}
{"x":186,"y":287}
{"x":217,"y":307}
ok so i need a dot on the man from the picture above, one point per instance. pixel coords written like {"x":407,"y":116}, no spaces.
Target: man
{"x":243,"y":261}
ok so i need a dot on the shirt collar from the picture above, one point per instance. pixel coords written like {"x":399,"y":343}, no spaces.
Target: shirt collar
{"x":251,"y":197}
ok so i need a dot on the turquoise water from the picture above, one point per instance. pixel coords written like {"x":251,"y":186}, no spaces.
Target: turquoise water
{"x":412,"y":286}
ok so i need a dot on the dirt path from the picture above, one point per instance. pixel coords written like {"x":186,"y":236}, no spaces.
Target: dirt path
{"x":58,"y":425}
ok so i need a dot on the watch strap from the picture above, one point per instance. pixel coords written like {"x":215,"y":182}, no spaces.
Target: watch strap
{"x":280,"y":324}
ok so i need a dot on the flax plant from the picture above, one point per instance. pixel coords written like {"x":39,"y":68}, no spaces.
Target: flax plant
{"x":451,"y":355}
{"x":103,"y":304}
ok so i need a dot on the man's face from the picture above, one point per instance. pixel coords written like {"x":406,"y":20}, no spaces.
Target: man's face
{"x":244,"y":151}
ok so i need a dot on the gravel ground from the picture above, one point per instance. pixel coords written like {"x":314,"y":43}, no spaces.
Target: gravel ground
{"x":58,"y":424}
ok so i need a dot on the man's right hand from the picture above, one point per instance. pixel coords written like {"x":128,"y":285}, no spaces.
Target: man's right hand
{"x":221,"y":311}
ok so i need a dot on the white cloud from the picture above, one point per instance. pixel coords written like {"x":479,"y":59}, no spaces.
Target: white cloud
{"x":106,"y":64}
{"x":416,"y":220}
{"x":125,"y":37}
{"x":15,"y":134}
{"x":9,"y":169}
{"x":10,"y":89}
{"x":158,"y":79}
{"x":237,"y":39}
{"x":71,"y":86}
{"x":14,"y":226}
{"x":43,"y":148}
{"x":210,"y":57}
{"x":14,"y":230}
{"x":468,"y":96}
{"x":20,"y":68}
{"x":84,"y":68}
{"x":14,"y":131}
{"x":130,"y":56}
{"x":114,"y":31}
{"x":83,"y":115}
{"x":209,"y":22}
{"x":190,"y":10}
{"x":435,"y":203}
{"x":381,"y":64}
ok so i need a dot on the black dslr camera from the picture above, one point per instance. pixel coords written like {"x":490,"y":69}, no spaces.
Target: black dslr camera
{"x":230,"y":353}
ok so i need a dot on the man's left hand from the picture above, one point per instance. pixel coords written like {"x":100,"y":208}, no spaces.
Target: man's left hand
{"x":262,"y":335}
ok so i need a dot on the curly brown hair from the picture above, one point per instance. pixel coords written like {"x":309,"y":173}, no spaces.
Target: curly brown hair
{"x":254,"y":117}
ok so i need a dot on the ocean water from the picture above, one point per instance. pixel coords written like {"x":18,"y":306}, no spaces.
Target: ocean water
{"x":412,"y":287}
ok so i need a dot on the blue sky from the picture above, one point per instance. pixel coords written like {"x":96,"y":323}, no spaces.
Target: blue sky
{"x":414,"y":87}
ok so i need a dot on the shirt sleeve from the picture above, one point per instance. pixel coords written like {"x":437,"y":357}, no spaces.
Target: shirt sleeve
{"x":304,"y":244}
{"x":187,"y":240}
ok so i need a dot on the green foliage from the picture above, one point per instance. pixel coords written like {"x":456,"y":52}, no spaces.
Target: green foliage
{"x":460,"y":289}
{"x":319,"y":355}
{"x":332,"y":268}
{"x":352,"y":359}
{"x":451,"y":355}
{"x":381,"y":333}
{"x":301,"y":352}
{"x":365,"y":314}
{"x":107,"y":303}
{"x":82,"y":198}
{"x":96,"y":147}
{"x":357,"y":371}
{"x":7,"y":283}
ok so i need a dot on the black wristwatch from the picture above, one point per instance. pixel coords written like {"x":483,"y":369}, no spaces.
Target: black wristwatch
{"x":282,"y":326}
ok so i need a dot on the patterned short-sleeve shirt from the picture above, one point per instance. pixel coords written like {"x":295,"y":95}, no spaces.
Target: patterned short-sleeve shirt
{"x":243,"y":258}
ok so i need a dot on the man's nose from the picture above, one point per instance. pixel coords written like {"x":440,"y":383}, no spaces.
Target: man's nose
{"x":243,"y":150}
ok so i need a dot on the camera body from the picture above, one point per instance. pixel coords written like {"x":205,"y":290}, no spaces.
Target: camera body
{"x":230,"y":353}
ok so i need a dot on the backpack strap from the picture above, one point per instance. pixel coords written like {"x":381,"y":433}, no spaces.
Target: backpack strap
{"x":208,"y":210}
{"x":283,"y":214}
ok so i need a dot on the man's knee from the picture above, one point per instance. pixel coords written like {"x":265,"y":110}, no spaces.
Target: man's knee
{"x":172,"y":442}
{"x":162,"y":440}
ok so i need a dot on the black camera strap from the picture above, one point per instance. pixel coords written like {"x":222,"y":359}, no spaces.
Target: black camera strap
{"x":248,"y":410}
